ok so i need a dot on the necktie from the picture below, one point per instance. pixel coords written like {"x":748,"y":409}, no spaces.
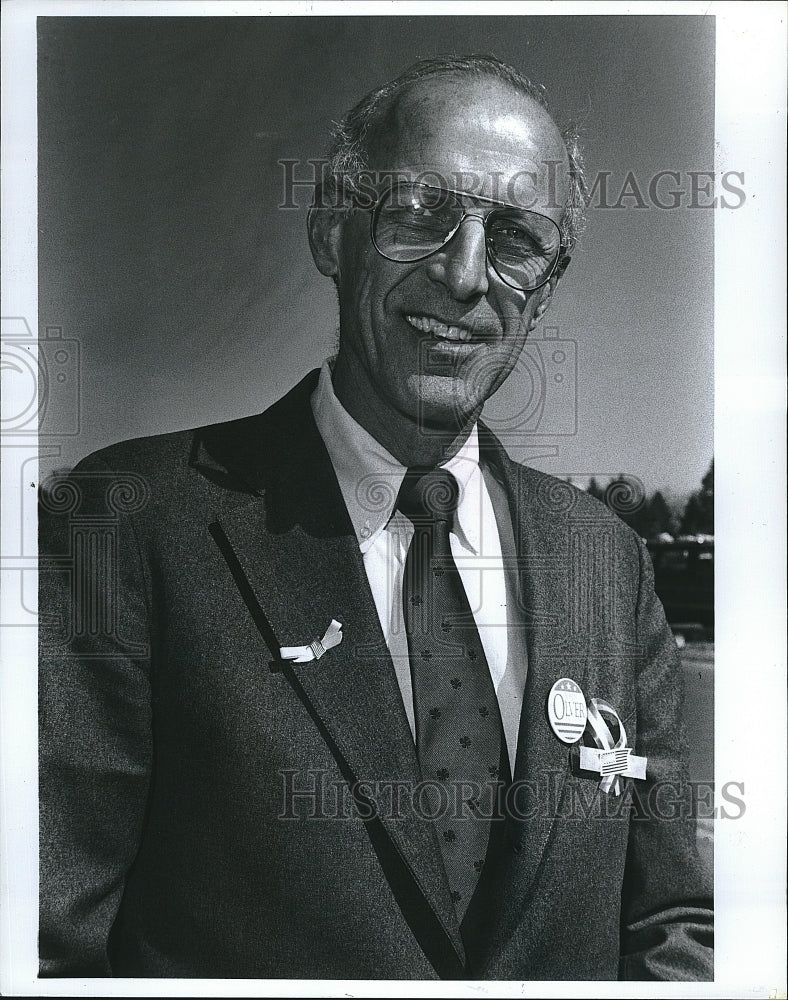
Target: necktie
{"x":459,"y":736}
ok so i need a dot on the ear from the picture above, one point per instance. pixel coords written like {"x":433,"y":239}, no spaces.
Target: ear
{"x":545,"y":298}
{"x":324,"y":226}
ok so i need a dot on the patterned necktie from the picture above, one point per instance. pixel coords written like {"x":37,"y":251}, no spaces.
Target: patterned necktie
{"x":459,"y":736}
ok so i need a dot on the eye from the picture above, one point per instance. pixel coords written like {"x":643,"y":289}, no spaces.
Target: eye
{"x":514,"y":239}
{"x":512,"y":232}
{"x":513,"y":236}
{"x":416,"y":214}
{"x":419,"y":211}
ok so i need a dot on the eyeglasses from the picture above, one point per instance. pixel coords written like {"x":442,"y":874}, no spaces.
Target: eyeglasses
{"x":410,"y":222}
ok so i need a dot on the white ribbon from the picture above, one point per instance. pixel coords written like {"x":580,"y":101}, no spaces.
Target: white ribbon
{"x":305,"y":654}
{"x":608,"y":758}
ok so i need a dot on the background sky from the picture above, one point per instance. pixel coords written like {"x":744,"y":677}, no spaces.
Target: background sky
{"x":193,"y":296}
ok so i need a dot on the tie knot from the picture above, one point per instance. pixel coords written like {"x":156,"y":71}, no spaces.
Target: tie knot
{"x":428,"y":495}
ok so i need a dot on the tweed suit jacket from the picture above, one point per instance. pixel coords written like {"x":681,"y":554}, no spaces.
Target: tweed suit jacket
{"x":190,"y":780}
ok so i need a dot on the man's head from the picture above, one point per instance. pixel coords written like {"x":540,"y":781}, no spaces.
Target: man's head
{"x":423,"y":343}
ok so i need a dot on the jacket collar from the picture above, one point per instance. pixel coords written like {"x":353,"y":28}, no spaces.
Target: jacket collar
{"x":279,"y":454}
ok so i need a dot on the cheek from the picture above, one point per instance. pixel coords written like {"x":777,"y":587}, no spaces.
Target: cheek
{"x":360,"y":264}
{"x":515,"y":318}
{"x":515,"y":308}
{"x":363,"y":316}
{"x":377,"y":295}
{"x":494,"y":367}
{"x":356,"y":292}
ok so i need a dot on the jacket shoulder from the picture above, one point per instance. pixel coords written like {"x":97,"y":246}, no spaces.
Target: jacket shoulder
{"x":233,"y":454}
{"x":559,"y":495}
{"x":142,"y":454}
{"x":547,"y":497}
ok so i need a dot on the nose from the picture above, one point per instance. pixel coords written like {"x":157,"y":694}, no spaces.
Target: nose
{"x":461,"y":265}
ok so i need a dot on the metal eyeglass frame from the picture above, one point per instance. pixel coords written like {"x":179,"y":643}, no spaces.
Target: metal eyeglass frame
{"x":558,"y":266}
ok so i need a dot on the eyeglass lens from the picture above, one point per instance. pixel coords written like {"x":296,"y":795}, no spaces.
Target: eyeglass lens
{"x":413,"y":221}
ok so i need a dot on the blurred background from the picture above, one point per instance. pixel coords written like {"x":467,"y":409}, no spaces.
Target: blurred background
{"x":193,"y":297}
{"x":176,"y":291}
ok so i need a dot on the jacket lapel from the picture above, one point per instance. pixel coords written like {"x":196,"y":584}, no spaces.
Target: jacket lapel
{"x":542,"y":760}
{"x":297,"y":553}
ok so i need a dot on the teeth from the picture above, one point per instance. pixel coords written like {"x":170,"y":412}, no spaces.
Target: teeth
{"x":426,"y":324}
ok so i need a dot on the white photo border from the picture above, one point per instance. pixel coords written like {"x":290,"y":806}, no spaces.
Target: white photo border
{"x":750,"y":475}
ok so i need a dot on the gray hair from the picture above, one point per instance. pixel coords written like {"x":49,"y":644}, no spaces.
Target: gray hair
{"x":347,"y":154}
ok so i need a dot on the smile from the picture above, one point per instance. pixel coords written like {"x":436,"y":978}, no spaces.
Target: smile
{"x":434,"y":327}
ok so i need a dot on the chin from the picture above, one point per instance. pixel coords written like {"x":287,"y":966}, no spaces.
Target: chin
{"x":446,"y":402}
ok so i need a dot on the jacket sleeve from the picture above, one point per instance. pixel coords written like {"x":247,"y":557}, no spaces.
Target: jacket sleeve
{"x":667,"y":917}
{"x":94,"y":711}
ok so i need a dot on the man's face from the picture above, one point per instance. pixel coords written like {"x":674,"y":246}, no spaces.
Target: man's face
{"x":429,"y":342}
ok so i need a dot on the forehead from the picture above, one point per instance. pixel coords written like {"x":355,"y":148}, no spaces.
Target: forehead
{"x":477,"y":130}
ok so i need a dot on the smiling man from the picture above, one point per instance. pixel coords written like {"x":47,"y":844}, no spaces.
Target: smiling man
{"x":403,"y":317}
{"x":367,"y":699}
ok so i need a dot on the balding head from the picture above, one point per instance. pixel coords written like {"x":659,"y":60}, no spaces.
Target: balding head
{"x":419,"y":99}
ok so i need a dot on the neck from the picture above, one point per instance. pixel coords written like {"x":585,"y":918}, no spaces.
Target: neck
{"x":410,"y":441}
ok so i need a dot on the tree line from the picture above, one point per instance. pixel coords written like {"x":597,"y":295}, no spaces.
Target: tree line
{"x":652,"y":515}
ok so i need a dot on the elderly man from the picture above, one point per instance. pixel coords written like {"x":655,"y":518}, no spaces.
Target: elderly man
{"x":368,"y":699}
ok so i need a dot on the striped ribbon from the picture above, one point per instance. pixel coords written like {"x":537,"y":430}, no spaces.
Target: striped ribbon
{"x":314,"y":650}
{"x":609,"y":758}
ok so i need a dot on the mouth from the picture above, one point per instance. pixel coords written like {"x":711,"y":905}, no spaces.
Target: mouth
{"x":436,"y":328}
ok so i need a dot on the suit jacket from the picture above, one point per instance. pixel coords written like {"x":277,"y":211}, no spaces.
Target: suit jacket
{"x":195,"y":815}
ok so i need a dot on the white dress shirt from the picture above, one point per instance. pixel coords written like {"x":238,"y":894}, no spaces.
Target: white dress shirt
{"x":370,"y":478}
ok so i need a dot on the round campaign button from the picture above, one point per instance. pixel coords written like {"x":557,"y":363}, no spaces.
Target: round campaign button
{"x":566,"y":709}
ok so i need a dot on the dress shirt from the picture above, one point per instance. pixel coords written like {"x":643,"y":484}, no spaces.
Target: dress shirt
{"x":370,"y":478}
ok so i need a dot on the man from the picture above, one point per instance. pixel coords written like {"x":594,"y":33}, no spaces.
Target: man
{"x":312,"y":708}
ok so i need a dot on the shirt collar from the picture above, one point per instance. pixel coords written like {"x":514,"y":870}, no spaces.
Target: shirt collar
{"x":370,"y":477}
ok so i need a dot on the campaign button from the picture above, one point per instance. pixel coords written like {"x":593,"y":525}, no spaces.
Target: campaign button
{"x":566,"y":710}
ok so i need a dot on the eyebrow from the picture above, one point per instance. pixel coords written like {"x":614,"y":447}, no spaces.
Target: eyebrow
{"x":470,"y":195}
